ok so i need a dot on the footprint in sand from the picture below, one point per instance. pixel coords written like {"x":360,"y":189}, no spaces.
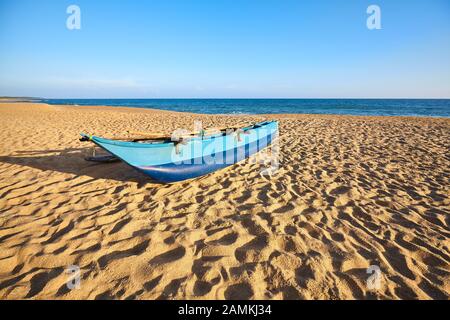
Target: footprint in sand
{"x":116,"y":255}
{"x":201,"y":288}
{"x":225,"y":240}
{"x":169,"y":256}
{"x":241,"y":291}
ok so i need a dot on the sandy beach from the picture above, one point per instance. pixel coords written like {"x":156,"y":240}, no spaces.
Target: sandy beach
{"x":351,"y":192}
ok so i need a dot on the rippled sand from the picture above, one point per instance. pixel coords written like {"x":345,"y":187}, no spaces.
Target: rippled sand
{"x":351,"y":192}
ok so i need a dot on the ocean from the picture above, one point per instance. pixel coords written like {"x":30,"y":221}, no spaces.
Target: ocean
{"x":372,"y":107}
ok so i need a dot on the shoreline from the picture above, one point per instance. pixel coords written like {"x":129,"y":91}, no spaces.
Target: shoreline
{"x":136,"y":109}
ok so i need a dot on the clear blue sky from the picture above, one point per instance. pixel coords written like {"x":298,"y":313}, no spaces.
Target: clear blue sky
{"x":225,"y":49}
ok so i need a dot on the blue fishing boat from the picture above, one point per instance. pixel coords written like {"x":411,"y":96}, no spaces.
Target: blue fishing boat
{"x":183,"y":157}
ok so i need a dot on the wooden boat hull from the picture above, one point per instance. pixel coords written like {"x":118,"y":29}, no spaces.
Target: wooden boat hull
{"x":168,"y":162}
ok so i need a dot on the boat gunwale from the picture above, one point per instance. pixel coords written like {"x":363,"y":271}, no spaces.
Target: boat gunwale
{"x":131,"y":144}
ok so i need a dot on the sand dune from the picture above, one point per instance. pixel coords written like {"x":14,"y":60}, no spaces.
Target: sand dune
{"x":351,"y":192}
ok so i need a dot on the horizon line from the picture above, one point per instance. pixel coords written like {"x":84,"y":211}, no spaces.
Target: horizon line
{"x":221,"y":98}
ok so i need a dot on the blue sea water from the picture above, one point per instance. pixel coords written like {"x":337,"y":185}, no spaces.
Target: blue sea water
{"x":379,"y":107}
